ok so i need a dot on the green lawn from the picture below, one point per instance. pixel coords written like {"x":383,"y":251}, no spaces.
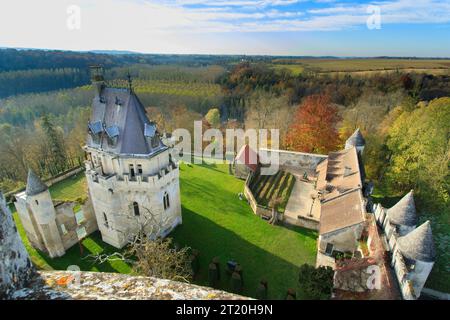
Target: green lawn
{"x":70,"y":189}
{"x":277,"y":186}
{"x":216,"y":223}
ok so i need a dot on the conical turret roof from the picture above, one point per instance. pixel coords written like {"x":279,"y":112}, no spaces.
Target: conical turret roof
{"x":418,"y":244}
{"x":404,"y":212}
{"x":34,"y":184}
{"x":356,"y":139}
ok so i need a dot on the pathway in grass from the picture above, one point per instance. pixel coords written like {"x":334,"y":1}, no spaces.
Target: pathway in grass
{"x":217,"y":223}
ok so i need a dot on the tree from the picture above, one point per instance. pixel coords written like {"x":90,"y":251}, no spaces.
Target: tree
{"x":314,"y":126}
{"x":213,"y":117}
{"x":315,"y":283}
{"x":149,"y":253}
{"x":55,"y":143}
{"x":420,"y":153}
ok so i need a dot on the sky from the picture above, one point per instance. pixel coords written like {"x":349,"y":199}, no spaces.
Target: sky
{"x":263,"y":27}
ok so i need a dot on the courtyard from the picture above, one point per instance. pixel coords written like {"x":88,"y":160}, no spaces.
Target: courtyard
{"x":215,"y":222}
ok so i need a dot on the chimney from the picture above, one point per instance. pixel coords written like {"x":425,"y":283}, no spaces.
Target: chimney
{"x":98,"y":81}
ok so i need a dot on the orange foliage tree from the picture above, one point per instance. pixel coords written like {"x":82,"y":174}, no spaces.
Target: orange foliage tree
{"x":314,"y":126}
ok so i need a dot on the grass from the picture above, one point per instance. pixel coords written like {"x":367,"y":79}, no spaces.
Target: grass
{"x":297,"y":66}
{"x":266,"y":188}
{"x":216,"y":223}
{"x":70,"y":189}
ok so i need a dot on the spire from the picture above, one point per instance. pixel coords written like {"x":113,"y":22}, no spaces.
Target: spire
{"x":130,"y":82}
{"x":418,"y":244}
{"x":404,"y":212}
{"x":356,"y":139}
{"x":34,"y":184}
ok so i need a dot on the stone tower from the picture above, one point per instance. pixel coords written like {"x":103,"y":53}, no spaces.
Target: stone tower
{"x":133,"y":181}
{"x":356,"y":140}
{"x":417,"y":248}
{"x":37,"y":213}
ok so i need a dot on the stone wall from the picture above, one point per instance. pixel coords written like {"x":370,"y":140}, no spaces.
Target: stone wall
{"x":343,"y":240}
{"x":66,"y":221}
{"x":16,"y":269}
{"x":299,"y":160}
{"x":302,"y":222}
{"x":69,"y":285}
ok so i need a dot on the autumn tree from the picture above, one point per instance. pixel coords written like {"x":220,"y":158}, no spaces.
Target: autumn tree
{"x":418,"y":142}
{"x":213,"y":117}
{"x":314,"y":126}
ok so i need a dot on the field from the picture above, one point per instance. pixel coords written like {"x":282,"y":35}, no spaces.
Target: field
{"x":216,"y":223}
{"x":267,"y":188}
{"x":363,"y":66}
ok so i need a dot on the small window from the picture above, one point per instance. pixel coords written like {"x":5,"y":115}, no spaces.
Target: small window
{"x":132,"y":173}
{"x":139,"y":168}
{"x":136,"y":209}
{"x":79,"y":217}
{"x":166,"y":201}
{"x":105,"y":218}
{"x":37,"y":202}
{"x":329,"y":249}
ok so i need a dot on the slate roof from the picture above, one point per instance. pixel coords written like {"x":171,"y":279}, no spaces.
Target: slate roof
{"x":418,"y":244}
{"x":404,"y":212}
{"x":356,"y":139}
{"x":34,"y":184}
{"x":118,"y":113}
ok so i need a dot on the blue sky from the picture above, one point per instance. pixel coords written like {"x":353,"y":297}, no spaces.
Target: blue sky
{"x":272,"y":27}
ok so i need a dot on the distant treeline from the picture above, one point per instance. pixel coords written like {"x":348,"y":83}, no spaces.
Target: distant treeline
{"x":40,"y":80}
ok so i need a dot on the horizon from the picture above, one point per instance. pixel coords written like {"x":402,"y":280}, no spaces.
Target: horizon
{"x":313,"y":28}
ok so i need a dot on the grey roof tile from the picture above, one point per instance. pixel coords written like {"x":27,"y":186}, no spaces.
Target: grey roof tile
{"x":418,"y":244}
{"x":356,"y":139}
{"x":123,"y":115}
{"x":404,"y":212}
{"x":34,"y":184}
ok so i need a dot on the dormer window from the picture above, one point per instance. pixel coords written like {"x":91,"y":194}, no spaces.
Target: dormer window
{"x":113,"y":134}
{"x":151,"y":134}
{"x":95,"y":130}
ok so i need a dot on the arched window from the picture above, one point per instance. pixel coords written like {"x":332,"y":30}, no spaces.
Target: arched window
{"x":136,"y":209}
{"x":166,"y":201}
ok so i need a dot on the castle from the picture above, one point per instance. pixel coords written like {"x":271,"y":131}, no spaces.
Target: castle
{"x":132,"y":180}
{"x":330,"y":195}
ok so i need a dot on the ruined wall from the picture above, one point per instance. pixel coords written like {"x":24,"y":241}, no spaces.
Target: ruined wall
{"x":67,"y":223}
{"x":299,"y":160}
{"x":343,"y":239}
{"x":15,"y":266}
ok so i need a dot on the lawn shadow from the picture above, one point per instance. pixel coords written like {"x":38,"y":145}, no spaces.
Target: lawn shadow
{"x":214,"y":240}
{"x":80,"y":257}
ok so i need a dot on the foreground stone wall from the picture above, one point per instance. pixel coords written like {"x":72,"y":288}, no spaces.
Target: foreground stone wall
{"x":15,"y":266}
{"x":111,"y":286}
